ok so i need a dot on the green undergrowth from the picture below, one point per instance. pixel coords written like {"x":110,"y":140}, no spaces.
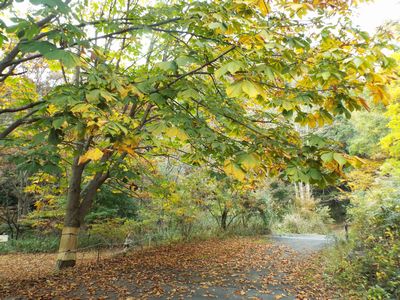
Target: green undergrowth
{"x":369,"y":264}
{"x":112,"y":237}
{"x":305,"y":221}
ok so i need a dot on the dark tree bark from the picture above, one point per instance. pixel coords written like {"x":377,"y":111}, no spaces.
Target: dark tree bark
{"x":224,"y":218}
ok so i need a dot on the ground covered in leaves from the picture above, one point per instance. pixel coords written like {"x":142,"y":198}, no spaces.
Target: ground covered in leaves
{"x":237,"y":268}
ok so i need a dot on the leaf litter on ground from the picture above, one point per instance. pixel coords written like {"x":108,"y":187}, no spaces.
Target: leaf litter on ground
{"x":248,"y":268}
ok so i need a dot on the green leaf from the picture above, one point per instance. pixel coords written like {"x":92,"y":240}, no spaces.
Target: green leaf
{"x":184,"y":60}
{"x":52,"y":169}
{"x":231,"y":67}
{"x":315,"y":140}
{"x":221,"y":71}
{"x":340,"y":159}
{"x":59,"y":4}
{"x":168,"y":66}
{"x":70,"y":60}
{"x":81,"y":108}
{"x":40,"y":138}
{"x":325,"y":75}
{"x":107,"y":95}
{"x":93,"y":96}
{"x":315,"y":174}
{"x":42,"y":47}
{"x":327,"y":157}
{"x":234,"y":66}
{"x":269,"y":72}
{"x":57,"y":123}
{"x":54,"y":137}
{"x":188,"y":94}
{"x":158,"y":99}
{"x":54,"y":54}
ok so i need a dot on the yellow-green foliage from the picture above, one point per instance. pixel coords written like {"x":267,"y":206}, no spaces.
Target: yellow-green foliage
{"x":370,"y":264}
{"x":391,"y":142}
{"x":114,"y":230}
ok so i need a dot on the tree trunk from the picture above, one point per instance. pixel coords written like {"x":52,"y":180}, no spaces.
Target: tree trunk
{"x":68,"y":247}
{"x":224,"y":218}
{"x":78,"y":206}
{"x":69,"y":237}
{"x":263,"y":216}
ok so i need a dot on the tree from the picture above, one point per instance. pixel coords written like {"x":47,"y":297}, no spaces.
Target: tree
{"x":15,"y":204}
{"x":217,"y":194}
{"x":218,"y":83}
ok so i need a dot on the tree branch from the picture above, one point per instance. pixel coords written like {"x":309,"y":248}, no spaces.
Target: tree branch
{"x":17,"y":123}
{"x":21,"y":108}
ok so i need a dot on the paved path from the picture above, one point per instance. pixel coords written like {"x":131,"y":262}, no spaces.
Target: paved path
{"x":303,"y":243}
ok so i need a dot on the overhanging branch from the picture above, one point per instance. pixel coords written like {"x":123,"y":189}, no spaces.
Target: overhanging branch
{"x":21,"y":108}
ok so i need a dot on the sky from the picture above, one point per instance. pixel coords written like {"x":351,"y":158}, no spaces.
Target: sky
{"x":373,"y":14}
{"x":368,"y":15}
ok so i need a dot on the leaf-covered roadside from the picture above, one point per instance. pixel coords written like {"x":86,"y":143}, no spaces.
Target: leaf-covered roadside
{"x":16,"y":267}
{"x":248,"y":268}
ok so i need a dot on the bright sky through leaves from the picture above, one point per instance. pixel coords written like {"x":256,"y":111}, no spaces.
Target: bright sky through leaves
{"x":368,"y":15}
{"x":374,"y":14}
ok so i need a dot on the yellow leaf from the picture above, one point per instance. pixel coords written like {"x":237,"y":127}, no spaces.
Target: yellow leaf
{"x":264,"y":7}
{"x":250,"y":89}
{"x":39,"y":205}
{"x":174,"y":132}
{"x":127,"y":149}
{"x":355,"y":161}
{"x":363,"y":103}
{"x":123,"y":92}
{"x":92,"y":154}
{"x":81,"y":108}
{"x":311,"y":122}
{"x":232,"y":169}
{"x":106,"y":95}
{"x":250,"y":161}
{"x":51,"y":109}
{"x":128,"y":145}
{"x":246,"y":40}
{"x":379,"y":94}
{"x":234,"y":90}
{"x":135,"y":91}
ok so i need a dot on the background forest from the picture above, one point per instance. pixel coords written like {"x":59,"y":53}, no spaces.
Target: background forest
{"x":145,"y":124}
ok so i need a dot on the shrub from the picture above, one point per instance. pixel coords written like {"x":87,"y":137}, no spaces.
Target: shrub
{"x":31,"y":244}
{"x":305,"y":221}
{"x":370,"y":264}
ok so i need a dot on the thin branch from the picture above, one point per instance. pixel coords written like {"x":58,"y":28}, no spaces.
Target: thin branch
{"x":197,"y":69}
{"x":21,"y":108}
{"x":19,"y":122}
